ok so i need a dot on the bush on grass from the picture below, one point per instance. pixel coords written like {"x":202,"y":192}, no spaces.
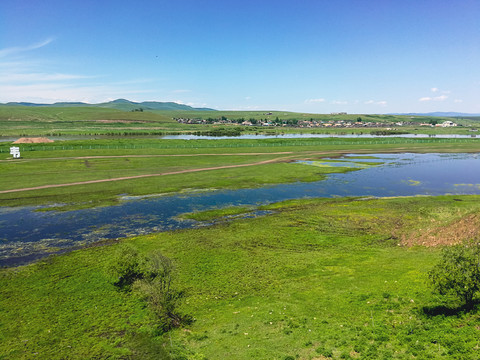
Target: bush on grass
{"x":151,"y":277}
{"x":458,"y":272}
{"x":127,"y":267}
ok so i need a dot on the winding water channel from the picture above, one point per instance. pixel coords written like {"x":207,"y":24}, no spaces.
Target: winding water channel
{"x":27,"y":234}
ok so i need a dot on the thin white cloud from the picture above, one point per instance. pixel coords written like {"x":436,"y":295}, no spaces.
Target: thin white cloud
{"x":434,"y":89}
{"x":313,"y":101}
{"x":33,"y":77}
{"x":458,"y":101}
{"x":25,"y":78}
{"x":181,"y":91}
{"x":339,"y":102}
{"x":57,"y":91}
{"x":426,"y":98}
{"x":373,"y":102}
{"x":18,"y":49}
{"x":436,"y":98}
{"x":189,"y":103}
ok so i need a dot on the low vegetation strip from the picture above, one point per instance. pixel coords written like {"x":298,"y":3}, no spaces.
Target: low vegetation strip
{"x":138,"y":176}
{"x":235,"y":143}
{"x":150,"y":155}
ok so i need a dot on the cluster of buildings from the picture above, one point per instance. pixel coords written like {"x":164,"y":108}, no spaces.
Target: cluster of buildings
{"x":345,"y":124}
{"x":190,"y":121}
{"x":358,"y":123}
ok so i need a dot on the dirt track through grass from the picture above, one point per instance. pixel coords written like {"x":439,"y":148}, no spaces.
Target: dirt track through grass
{"x":279,"y":159}
{"x":148,"y":155}
{"x":148,"y":175}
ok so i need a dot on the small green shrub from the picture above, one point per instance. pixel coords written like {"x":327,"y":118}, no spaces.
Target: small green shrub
{"x":325,"y":352}
{"x":151,"y":277}
{"x":156,"y":287}
{"x":458,"y":272}
{"x":126,"y":267}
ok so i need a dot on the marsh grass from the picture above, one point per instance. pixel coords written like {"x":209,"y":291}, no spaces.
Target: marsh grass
{"x":319,"y":277}
{"x":54,"y":170}
{"x":106,"y":159}
{"x":215,"y":214}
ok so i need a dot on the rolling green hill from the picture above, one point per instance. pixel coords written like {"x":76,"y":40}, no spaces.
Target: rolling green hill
{"x":124,"y":117}
{"x":119,"y":104}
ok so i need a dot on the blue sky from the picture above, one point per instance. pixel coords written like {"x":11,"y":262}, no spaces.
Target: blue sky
{"x":359,"y":56}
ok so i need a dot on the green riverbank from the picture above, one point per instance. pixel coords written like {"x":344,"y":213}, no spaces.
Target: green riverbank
{"x":317,"y":279}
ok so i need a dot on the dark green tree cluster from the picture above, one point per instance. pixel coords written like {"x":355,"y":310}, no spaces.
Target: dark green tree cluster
{"x":458,"y":272}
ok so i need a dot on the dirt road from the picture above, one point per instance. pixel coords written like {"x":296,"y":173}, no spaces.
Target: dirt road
{"x":283,"y":158}
{"x":279,"y":159}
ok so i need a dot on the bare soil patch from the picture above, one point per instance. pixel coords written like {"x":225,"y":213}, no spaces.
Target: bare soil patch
{"x":35,"y":140}
{"x":466,"y":228}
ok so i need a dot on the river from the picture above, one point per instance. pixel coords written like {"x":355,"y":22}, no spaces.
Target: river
{"x":27,"y":234}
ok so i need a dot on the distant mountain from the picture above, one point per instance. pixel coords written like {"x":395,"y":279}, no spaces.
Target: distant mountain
{"x":121,"y":104}
{"x":438,"y":114}
{"x":26,"y":104}
{"x":124,"y":104}
{"x":58,"y":104}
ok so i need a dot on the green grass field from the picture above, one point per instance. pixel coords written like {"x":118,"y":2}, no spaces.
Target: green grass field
{"x":317,"y":279}
{"x":95,"y":120}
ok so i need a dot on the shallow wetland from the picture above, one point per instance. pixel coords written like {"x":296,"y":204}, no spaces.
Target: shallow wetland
{"x":28,"y":233}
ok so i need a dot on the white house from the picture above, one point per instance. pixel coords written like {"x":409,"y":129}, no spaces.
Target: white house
{"x":448,"y":123}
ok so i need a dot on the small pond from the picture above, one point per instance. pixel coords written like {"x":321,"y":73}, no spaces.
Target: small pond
{"x":27,"y":234}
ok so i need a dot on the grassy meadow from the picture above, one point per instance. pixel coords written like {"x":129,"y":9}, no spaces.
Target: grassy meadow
{"x":316,"y":279}
{"x":313,"y":279}
{"x":18,"y":121}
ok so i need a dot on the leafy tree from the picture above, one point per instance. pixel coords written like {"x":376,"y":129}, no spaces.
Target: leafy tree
{"x":458,"y":272}
{"x":161,"y":297}
{"x":151,"y":277}
{"x":127,"y":267}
